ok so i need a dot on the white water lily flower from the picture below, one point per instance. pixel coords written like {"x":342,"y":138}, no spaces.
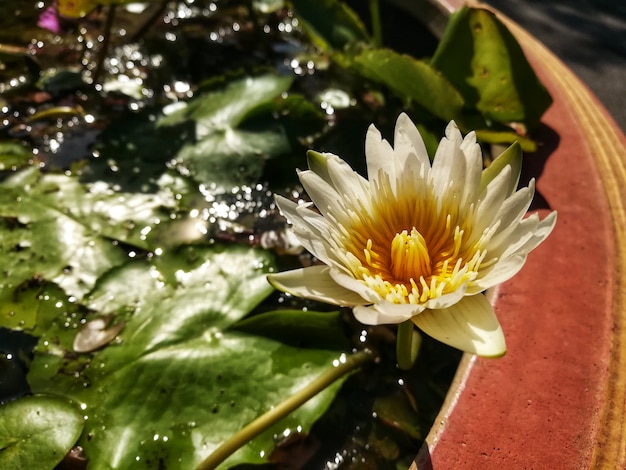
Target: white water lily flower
{"x":416,"y":241}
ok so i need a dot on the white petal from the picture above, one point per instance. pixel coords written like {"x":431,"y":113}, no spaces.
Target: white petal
{"x":542,"y":231}
{"x":446,"y":300}
{"x":356,"y":286}
{"x":449,"y":165}
{"x":408,"y":147}
{"x":323,"y":195}
{"x":386,"y":313}
{"x":310,"y":228}
{"x":515,"y":248}
{"x":470,"y":325}
{"x":315,"y":283}
{"x":514,"y":207}
{"x":509,"y":254}
{"x":501,"y":272}
{"x":474,"y":168}
{"x":491,"y":199}
{"x":347,"y":182}
{"x":379,"y":156}
{"x":522,"y":237}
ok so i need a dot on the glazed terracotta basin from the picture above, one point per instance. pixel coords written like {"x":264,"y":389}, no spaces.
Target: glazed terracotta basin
{"x":557,"y":399}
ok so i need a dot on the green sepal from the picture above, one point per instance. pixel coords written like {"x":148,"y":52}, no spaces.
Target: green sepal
{"x":512,"y":156}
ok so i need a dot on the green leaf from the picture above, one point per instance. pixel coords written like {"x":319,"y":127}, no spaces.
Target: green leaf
{"x":37,"y":432}
{"x":80,"y":8}
{"x":232,"y":156}
{"x":511,"y":156}
{"x":225,"y":152}
{"x":180,"y":380}
{"x":299,"y":328}
{"x":56,"y":229}
{"x":55,"y":81}
{"x":330,"y":23}
{"x":227,"y":107}
{"x":42,"y":238}
{"x":482,"y":59}
{"x":76,"y":8}
{"x":14,"y":155}
{"x":21,"y":309}
{"x":494,"y":136}
{"x":411,"y":79}
{"x":268,"y":6}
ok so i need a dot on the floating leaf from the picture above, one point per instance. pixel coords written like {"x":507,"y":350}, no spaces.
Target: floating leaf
{"x":231,"y":156}
{"x":37,"y":432}
{"x":227,"y":107}
{"x":224,"y":153}
{"x":56,"y":229}
{"x":42,"y":238}
{"x":179,"y":380}
{"x":19,"y":309}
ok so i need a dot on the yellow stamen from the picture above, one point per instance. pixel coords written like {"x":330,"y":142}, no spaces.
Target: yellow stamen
{"x":409,"y":256}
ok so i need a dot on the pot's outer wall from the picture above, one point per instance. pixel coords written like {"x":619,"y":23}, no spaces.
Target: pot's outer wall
{"x":557,"y":400}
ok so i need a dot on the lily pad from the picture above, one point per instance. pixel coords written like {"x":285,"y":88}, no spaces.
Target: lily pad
{"x":223,"y":152}
{"x":231,"y":157}
{"x":37,"y":432}
{"x":57,"y":229}
{"x":180,"y":380}
{"x":41,"y":239}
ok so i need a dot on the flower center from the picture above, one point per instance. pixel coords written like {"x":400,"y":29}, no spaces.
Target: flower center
{"x":411,"y":269}
{"x":409,"y":256}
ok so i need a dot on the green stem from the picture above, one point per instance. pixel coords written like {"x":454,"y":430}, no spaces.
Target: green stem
{"x":377,"y":30}
{"x":408,"y":344}
{"x":274,"y":415}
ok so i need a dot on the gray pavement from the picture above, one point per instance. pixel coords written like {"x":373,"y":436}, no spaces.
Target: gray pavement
{"x":588,"y":35}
